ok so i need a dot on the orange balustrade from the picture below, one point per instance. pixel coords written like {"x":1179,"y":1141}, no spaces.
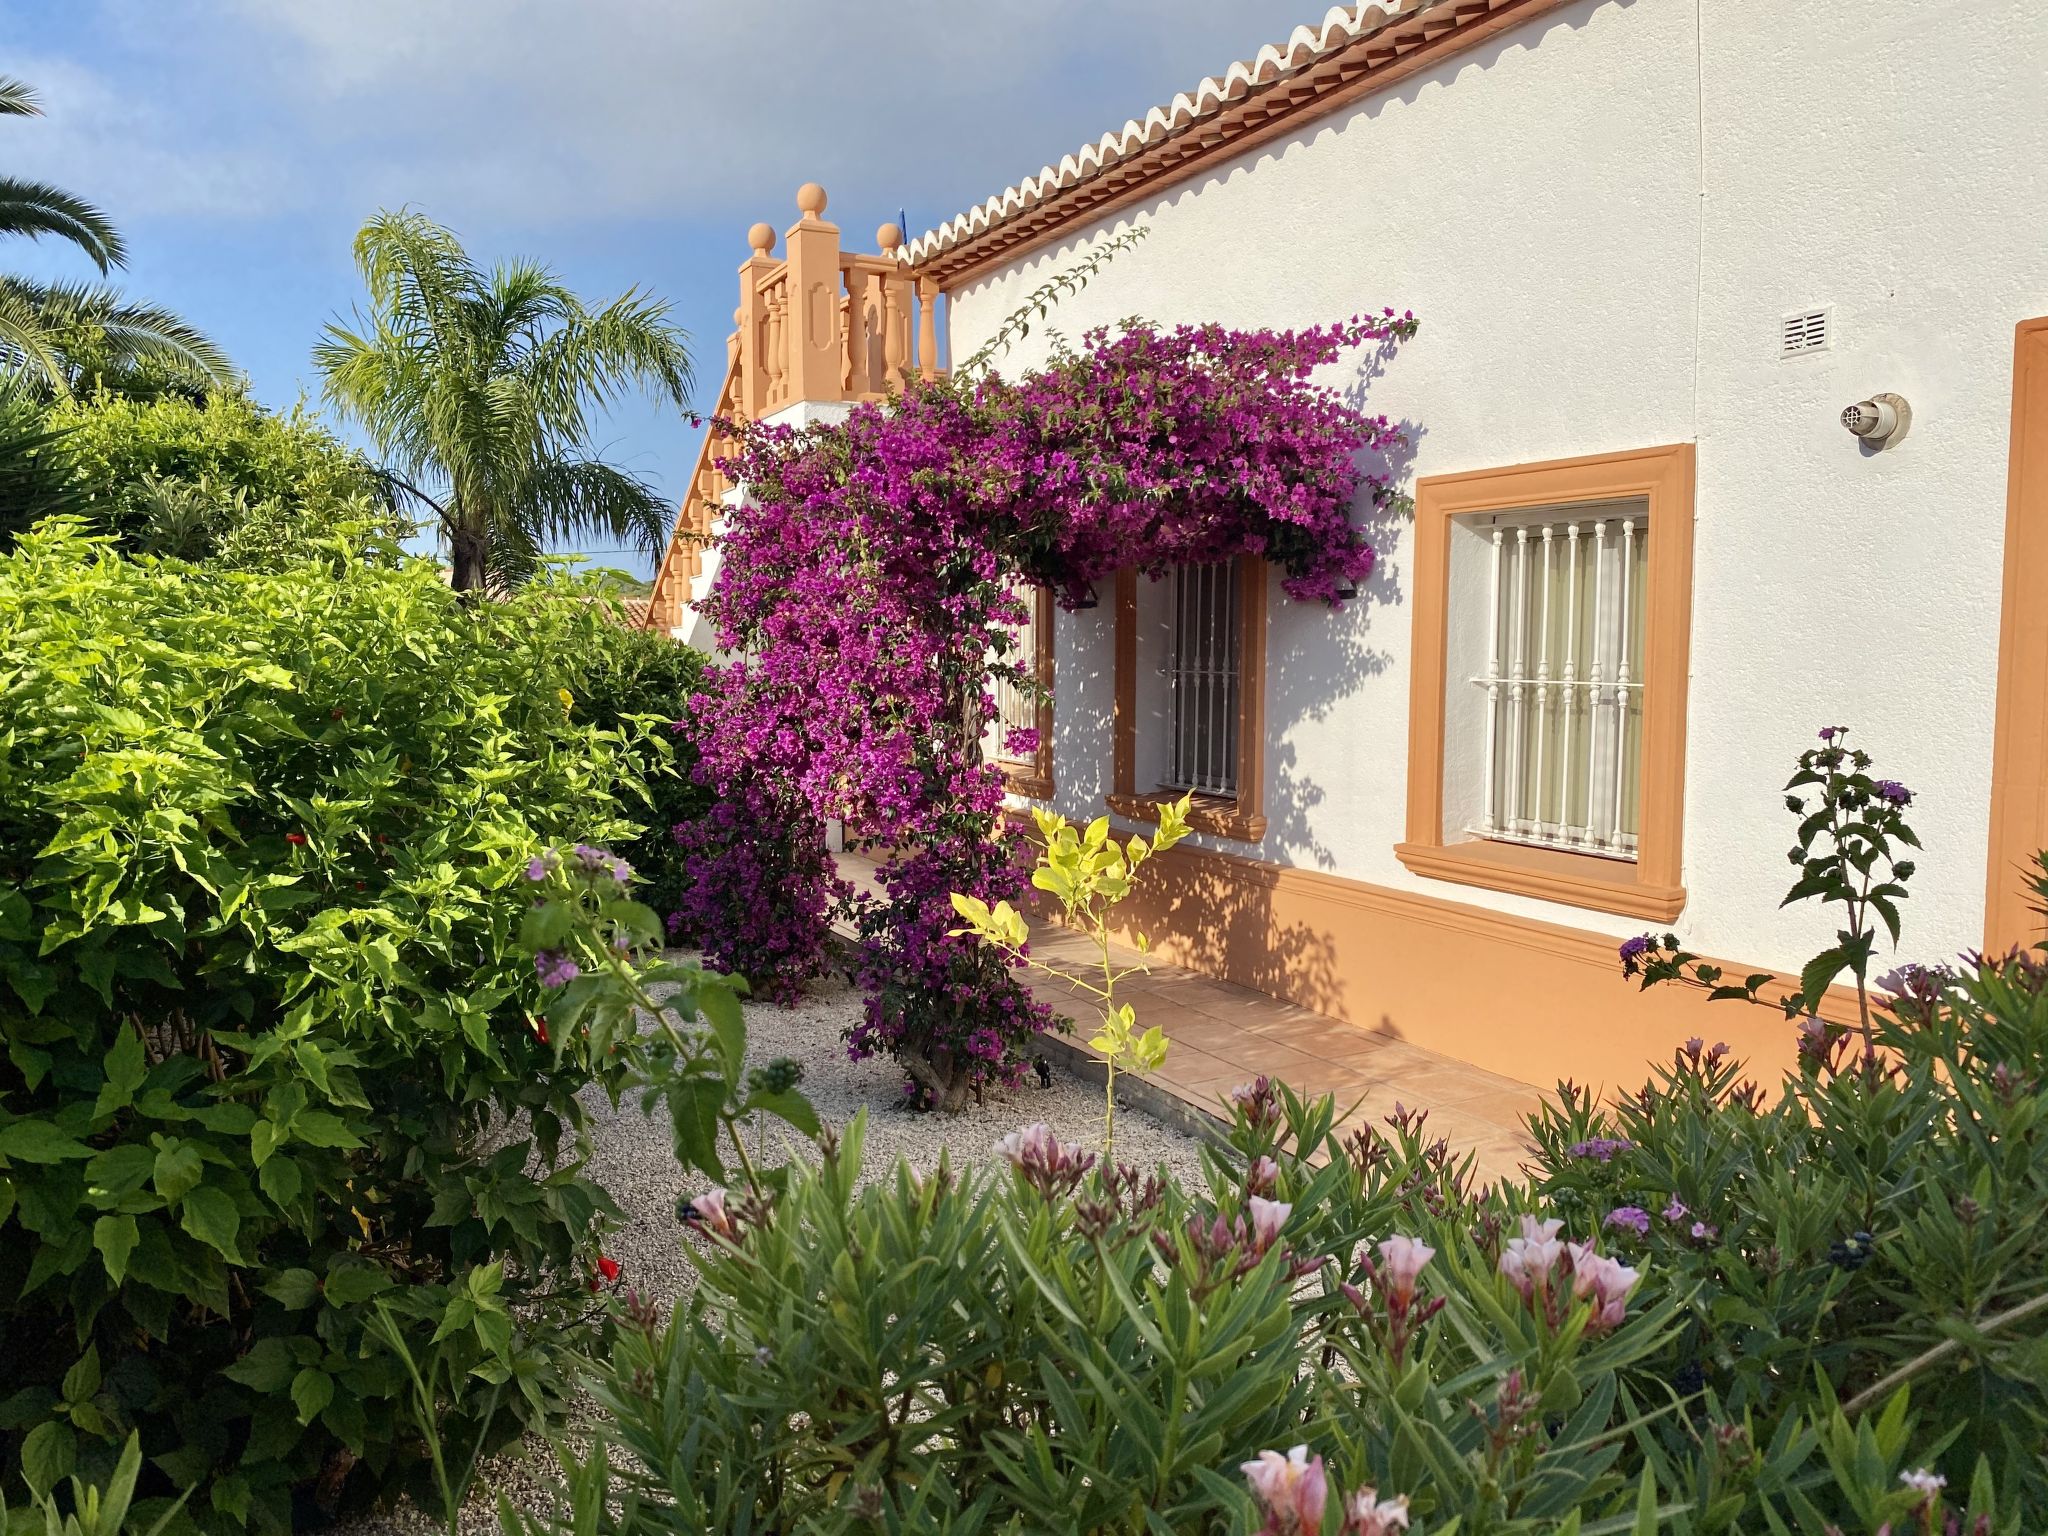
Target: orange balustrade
{"x":820,"y":325}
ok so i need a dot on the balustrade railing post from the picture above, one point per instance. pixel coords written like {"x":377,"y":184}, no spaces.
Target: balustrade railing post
{"x":816,"y":347}
{"x":751,"y":321}
{"x":928,"y":327}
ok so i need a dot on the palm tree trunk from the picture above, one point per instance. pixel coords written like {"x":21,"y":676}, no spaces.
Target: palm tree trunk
{"x":466,"y":560}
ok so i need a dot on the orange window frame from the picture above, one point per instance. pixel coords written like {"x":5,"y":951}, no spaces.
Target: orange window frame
{"x":1651,"y":887}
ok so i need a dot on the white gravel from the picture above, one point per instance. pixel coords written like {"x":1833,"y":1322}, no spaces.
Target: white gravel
{"x":632,"y":1159}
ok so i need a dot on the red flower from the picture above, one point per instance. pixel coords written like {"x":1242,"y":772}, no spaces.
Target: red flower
{"x":540,"y":1027}
{"x":607,"y":1271}
{"x":296,"y":839}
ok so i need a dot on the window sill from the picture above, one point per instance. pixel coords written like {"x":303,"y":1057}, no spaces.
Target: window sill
{"x":1571,"y":879}
{"x":1213,"y":814}
{"x":1024,"y":779}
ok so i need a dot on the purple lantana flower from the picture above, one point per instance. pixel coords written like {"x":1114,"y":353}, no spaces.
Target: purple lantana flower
{"x":1602,"y":1148}
{"x":1893,"y":793}
{"x":1676,"y":1212}
{"x":1632,"y":1218}
{"x":555,"y":968}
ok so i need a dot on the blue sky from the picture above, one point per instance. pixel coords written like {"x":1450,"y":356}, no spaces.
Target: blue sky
{"x":240,"y":143}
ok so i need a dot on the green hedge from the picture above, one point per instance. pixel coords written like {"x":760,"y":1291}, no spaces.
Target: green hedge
{"x":263,"y":841}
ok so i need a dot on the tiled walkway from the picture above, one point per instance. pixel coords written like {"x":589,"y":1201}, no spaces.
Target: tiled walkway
{"x":1223,"y":1035}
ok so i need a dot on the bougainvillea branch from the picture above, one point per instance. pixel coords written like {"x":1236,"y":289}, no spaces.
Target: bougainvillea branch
{"x":868,"y":594}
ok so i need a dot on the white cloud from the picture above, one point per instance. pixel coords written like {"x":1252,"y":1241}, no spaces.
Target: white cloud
{"x":561,"y":111}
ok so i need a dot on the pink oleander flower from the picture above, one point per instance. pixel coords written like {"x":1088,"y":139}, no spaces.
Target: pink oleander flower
{"x":1292,"y":1489}
{"x":1606,"y":1282}
{"x":1367,"y":1514}
{"x":1047,"y":1164}
{"x":1401,"y":1262}
{"x":708,"y":1211}
{"x":1263,"y":1177}
{"x":1528,"y":1260}
{"x":1267,"y":1218}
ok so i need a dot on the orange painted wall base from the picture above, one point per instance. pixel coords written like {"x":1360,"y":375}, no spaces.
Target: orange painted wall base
{"x":1535,"y":1001}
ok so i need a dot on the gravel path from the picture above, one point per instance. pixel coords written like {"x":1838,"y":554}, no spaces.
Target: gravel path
{"x":632,"y":1159}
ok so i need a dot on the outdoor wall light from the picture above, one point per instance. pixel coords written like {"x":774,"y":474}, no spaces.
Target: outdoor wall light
{"x":1880,"y":421}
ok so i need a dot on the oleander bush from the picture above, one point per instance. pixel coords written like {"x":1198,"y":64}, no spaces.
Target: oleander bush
{"x":1703,"y":1311}
{"x":290,"y":1159}
{"x":1058,"y":1345}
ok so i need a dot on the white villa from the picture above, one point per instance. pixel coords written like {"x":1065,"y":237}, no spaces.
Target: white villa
{"x":1729,"y":417}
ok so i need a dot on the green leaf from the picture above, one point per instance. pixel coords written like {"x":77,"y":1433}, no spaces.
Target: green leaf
{"x":294,"y":1289}
{"x":350,"y":1284}
{"x":83,"y":1379}
{"x":38,"y":1141}
{"x":721,"y":1010}
{"x":280,"y":1180}
{"x":1818,"y":974}
{"x":312,"y":1391}
{"x":179,"y":1168}
{"x":209,"y":1215}
{"x":47,"y":1456}
{"x":125,"y":1066}
{"x":115,"y":1237}
{"x":790,"y":1106}
{"x":267,"y":1367}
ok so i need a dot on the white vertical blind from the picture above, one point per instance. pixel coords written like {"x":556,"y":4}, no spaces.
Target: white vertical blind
{"x":1017,"y":707}
{"x":1203,"y":679}
{"x":1563,"y":680}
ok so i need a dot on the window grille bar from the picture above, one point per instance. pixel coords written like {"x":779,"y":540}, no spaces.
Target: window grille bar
{"x":1490,"y":822}
{"x":1541,"y":826}
{"x":1566,"y":832}
{"x":1617,"y":839}
{"x":1517,"y":679}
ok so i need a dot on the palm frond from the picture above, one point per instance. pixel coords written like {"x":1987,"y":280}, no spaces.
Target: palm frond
{"x":573,"y":497}
{"x":18,"y":98}
{"x":95,"y":328}
{"x":28,"y":354}
{"x":32,"y":209}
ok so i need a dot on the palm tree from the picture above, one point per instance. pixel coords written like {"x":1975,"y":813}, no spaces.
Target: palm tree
{"x":58,"y":336}
{"x":480,"y":385}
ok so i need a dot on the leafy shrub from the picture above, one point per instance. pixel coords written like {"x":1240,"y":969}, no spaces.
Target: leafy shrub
{"x":266,"y":1004}
{"x":219,"y":477}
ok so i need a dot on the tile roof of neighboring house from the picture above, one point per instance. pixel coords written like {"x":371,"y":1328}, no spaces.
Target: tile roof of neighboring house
{"x":1359,"y":48}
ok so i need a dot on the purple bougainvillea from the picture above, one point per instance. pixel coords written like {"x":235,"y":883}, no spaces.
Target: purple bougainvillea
{"x":871,"y":574}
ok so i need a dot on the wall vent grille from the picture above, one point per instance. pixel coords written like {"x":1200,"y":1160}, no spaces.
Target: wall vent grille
{"x":1804,"y":331}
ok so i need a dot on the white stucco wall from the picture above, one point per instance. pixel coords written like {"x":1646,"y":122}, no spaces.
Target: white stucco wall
{"x":1601,"y":218}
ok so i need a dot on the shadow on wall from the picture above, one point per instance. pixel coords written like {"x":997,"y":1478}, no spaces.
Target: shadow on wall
{"x":1318,"y":661}
{"x":1205,"y":912}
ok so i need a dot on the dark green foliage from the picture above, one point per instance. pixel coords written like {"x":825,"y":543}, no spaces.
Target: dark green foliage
{"x":219,"y":478}
{"x":640,"y":685}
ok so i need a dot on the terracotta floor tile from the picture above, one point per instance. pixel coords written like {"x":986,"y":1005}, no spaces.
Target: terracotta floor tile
{"x":1224,"y":1034}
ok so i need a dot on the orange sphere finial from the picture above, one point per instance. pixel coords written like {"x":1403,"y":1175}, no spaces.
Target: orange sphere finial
{"x":810,"y":199}
{"x":888,"y":237}
{"x":762,"y":238}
